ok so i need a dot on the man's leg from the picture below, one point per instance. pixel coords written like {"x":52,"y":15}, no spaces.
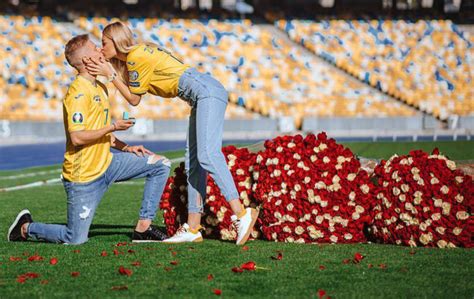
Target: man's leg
{"x":154,"y":168}
{"x":82,"y":201}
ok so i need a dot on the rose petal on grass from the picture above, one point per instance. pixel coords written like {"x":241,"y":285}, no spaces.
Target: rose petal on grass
{"x":167,"y":269}
{"x":15,"y":259}
{"x":121,"y":244}
{"x":131,"y":251}
{"x":210,"y":277}
{"x":321,"y":293}
{"x":75,"y":274}
{"x":174,"y":263}
{"x":124,"y":271}
{"x":279,"y":257}
{"x":35,"y":257}
{"x":174,"y":253}
{"x":383,"y":266}
{"x":104,"y":253}
{"x":217,"y":292}
{"x":44,"y":281}
{"x":53,"y":261}
{"x":245,"y":248}
{"x":346,"y":261}
{"x":321,"y":267}
{"x":136,"y":264}
{"x":237,"y":270}
{"x":116,"y":252}
{"x":76,"y":251}
{"x":358,"y":258}
{"x":119,"y":288}
{"x":370,"y":266}
{"x":249,"y":266}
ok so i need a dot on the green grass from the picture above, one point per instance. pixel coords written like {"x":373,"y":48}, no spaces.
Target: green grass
{"x":427,"y":273}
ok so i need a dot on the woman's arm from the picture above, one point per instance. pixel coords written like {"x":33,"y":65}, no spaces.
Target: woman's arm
{"x":103,"y":68}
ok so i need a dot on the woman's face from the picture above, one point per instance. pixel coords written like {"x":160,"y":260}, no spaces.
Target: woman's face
{"x":108,"y":48}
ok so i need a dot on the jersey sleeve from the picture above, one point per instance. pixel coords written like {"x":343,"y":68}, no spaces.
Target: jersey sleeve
{"x":77,"y":109}
{"x":140,"y":69}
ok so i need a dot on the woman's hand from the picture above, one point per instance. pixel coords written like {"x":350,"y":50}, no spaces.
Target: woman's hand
{"x":98,"y":67}
{"x":122,"y":124}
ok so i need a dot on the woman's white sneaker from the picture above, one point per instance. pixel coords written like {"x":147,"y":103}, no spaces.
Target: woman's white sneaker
{"x":244,"y":225}
{"x":185,"y":234}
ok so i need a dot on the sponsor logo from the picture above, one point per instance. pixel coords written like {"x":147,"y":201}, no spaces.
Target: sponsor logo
{"x":96,"y":98}
{"x":77,"y":118}
{"x":78,"y":96}
{"x":134,"y":84}
{"x":133,"y":75}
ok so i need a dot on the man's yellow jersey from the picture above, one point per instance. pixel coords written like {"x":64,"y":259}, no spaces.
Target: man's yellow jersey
{"x":154,"y":70}
{"x":86,"y":107}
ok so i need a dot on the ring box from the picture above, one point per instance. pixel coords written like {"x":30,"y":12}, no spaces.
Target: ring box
{"x":126,"y":116}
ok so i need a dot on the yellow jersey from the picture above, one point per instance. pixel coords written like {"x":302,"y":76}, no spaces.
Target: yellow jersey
{"x":154,"y":70}
{"x":86,"y":107}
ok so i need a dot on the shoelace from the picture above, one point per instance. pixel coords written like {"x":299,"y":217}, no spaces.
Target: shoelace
{"x":236,"y":224}
{"x":181,"y":230}
{"x":156,"y":232}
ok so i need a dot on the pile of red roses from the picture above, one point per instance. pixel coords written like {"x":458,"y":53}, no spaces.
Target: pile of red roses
{"x":312,"y":190}
{"x":423,"y":200}
{"x":217,"y":213}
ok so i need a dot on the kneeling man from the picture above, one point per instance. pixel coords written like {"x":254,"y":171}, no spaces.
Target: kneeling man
{"x":89,"y":167}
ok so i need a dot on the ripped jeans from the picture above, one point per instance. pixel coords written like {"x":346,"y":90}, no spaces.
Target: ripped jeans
{"x":83,"y":198}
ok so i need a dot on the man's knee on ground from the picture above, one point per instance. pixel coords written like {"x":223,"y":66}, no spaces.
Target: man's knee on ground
{"x":75,"y":238}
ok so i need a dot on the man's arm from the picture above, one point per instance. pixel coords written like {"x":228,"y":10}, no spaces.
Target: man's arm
{"x":85,"y":137}
{"x":138,"y":150}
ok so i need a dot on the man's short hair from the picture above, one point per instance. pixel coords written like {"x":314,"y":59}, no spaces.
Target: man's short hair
{"x":73,"y":45}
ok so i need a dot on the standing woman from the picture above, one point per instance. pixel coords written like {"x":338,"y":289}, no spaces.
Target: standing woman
{"x":139,"y":68}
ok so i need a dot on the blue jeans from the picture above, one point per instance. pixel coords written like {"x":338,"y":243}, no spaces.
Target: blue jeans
{"x":208,"y":99}
{"x":83,"y":198}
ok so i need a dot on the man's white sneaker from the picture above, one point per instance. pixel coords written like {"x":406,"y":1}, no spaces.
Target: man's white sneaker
{"x":244,"y":225}
{"x":185,"y":234}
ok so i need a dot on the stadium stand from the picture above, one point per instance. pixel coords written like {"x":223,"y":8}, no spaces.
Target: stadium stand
{"x":427,"y":64}
{"x":263,"y":73}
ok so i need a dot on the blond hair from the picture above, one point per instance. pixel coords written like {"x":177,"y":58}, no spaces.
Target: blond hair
{"x":123,"y":40}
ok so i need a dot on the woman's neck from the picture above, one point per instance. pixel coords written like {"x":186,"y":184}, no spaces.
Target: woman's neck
{"x":121,"y":56}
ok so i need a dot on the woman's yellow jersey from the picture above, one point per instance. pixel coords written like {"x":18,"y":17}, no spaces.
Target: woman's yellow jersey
{"x":154,"y":70}
{"x":86,"y":107}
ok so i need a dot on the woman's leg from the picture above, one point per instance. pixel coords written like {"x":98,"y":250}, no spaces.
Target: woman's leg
{"x":197,"y":176}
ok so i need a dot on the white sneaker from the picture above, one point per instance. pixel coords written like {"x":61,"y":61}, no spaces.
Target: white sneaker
{"x":184,"y":234}
{"x":244,"y":225}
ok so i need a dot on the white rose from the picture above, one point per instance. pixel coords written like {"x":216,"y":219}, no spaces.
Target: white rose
{"x":323,"y":146}
{"x":451,"y":164}
{"x":287,"y":229}
{"x":441,"y":243}
{"x":440,"y":230}
{"x":352,"y":195}
{"x":355,"y":216}
{"x":297,"y":187}
{"x":313,"y":158}
{"x":299,"y":230}
{"x":436,"y":216}
{"x":459,"y":179}
{"x":316,"y":234}
{"x":405,"y":188}
{"x":444,"y":189}
{"x":396,"y":191}
{"x":459,"y":198}
{"x":333,"y":238}
{"x":446,"y":206}
{"x":434,"y":181}
{"x":259,"y":158}
{"x":279,"y":149}
{"x":365,"y":189}
{"x":275,"y":161}
{"x":426,"y":238}
{"x":351,"y":176}
{"x":307,"y":180}
{"x":290,"y":207}
{"x":277,"y":172}
{"x":457,"y":231}
{"x":359,"y":209}
{"x":240,"y":172}
{"x":324,"y":204}
{"x":341,"y":159}
{"x":296,"y":156}
{"x":336,"y":179}
{"x":462,"y":215}
{"x":289,"y":240}
{"x":291,"y":145}
{"x":326,"y":159}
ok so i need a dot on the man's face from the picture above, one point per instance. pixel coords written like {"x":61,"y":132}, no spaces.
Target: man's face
{"x":90,"y":50}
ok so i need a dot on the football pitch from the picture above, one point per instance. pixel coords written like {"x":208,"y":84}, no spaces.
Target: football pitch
{"x":202,"y":270}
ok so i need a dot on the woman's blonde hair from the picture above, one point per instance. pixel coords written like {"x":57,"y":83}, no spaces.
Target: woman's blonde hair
{"x":123,"y":40}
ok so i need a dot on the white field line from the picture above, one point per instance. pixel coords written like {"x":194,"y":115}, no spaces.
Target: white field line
{"x":57,"y":180}
{"x":27,"y":175}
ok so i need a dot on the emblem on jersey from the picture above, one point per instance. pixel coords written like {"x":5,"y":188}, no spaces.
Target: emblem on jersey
{"x":133,"y":75}
{"x":96,"y":98}
{"x":131,"y":63}
{"x":78,"y":96}
{"x":77,"y":118}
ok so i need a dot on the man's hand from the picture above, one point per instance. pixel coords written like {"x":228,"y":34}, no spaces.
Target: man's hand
{"x":98,"y":67}
{"x":138,"y":150}
{"x":122,"y":124}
